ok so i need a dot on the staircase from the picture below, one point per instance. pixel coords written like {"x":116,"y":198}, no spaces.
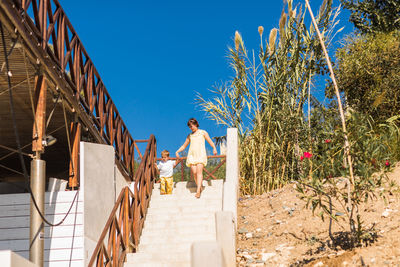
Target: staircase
{"x":174,"y":222}
{"x":63,"y":244}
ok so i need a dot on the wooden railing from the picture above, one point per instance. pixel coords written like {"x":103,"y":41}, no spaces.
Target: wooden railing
{"x":210,"y":172}
{"x":124,"y":226}
{"x":52,"y":41}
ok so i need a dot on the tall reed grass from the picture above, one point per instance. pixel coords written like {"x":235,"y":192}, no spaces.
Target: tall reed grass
{"x":266,"y":98}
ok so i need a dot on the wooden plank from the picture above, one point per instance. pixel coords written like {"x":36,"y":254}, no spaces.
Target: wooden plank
{"x":49,"y":231}
{"x":23,"y":221}
{"x":216,"y":168}
{"x":137,"y":149}
{"x":57,"y":254}
{"x":24,"y":209}
{"x":209,"y":174}
{"x":50,"y":197}
{"x":53,"y":243}
{"x":67,"y":263}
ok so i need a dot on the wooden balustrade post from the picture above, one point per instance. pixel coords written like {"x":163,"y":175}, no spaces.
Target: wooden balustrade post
{"x":126,"y":220}
{"x":43,"y":22}
{"x":114,"y":242}
{"x":74,"y":158}
{"x":39,"y":124}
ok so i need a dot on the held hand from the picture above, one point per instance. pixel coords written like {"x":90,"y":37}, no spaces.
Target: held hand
{"x":177,"y":155}
{"x":215,"y":151}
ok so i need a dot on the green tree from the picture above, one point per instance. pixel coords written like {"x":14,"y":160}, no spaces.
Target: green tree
{"x":368,"y":72}
{"x":371,"y":16}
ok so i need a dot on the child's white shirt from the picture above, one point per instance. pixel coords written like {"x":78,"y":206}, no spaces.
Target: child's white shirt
{"x":166,"y":168}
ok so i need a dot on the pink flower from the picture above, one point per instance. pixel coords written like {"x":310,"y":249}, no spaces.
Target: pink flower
{"x":307,"y":155}
{"x":387,"y":163}
{"x":328,"y":141}
{"x":301,"y":158}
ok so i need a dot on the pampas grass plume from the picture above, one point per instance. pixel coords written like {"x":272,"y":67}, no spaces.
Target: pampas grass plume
{"x":260,"y":30}
{"x":238,"y":40}
{"x":272,"y":40}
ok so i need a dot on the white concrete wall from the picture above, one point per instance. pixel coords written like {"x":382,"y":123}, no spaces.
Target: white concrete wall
{"x":97,"y":184}
{"x":206,"y":253}
{"x":119,"y":182}
{"x":226,"y":236}
{"x":101,"y":182}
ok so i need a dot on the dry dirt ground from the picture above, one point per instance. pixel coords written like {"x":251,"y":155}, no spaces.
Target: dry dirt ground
{"x":276,"y":229}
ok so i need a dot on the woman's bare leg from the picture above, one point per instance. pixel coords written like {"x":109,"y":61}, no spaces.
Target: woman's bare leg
{"x":199,"y":178}
{"x":193,"y":169}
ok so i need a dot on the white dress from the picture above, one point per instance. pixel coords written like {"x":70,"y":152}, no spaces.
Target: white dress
{"x":197,"y":150}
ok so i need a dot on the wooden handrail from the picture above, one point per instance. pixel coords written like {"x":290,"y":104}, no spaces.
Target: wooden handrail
{"x":125,"y":223}
{"x":210,"y":174}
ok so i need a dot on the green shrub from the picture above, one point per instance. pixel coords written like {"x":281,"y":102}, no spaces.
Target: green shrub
{"x":325,"y":185}
{"x":368,"y":72}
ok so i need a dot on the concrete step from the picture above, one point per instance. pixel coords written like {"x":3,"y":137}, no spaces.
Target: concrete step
{"x":169,"y":246}
{"x":151,"y":263}
{"x":189,"y":217}
{"x":182,"y":210}
{"x":185,"y":199}
{"x":174,"y":202}
{"x":172,"y":236}
{"x":160,"y":257}
{"x":175,"y":208}
{"x":169,"y":239}
{"x":179,"y":224}
{"x":174,"y":248}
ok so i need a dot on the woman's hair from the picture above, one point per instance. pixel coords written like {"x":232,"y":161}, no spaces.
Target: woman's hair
{"x":193,"y":121}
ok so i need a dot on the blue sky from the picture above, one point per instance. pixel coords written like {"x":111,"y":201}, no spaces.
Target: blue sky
{"x":153,"y":56}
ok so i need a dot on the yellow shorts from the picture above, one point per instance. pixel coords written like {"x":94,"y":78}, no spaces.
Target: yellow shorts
{"x":166,"y":184}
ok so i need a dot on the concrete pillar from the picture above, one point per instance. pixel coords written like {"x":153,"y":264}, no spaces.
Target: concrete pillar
{"x":206,"y":253}
{"x":36,"y":235}
{"x":226,"y":238}
{"x":231,"y":185}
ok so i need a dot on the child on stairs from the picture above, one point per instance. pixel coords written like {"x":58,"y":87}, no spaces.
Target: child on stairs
{"x":166,"y":169}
